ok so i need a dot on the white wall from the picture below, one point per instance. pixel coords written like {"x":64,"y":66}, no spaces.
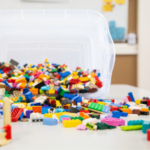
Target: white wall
{"x":144,"y":44}
{"x":72,"y":4}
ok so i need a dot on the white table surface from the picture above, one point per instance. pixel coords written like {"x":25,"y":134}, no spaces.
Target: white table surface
{"x":36,"y":136}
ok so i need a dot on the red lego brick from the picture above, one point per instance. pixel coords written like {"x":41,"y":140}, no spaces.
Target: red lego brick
{"x":113,"y":108}
{"x":129,"y":98}
{"x":112,"y":100}
{"x":6,"y":69}
{"x":74,"y":81}
{"x":16,"y":114}
{"x":148,"y":135}
{"x":36,"y":109}
{"x":85,"y":111}
{"x":148,"y":102}
{"x":8,"y":132}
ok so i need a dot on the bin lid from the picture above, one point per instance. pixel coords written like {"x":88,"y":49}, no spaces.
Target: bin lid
{"x":74,"y":37}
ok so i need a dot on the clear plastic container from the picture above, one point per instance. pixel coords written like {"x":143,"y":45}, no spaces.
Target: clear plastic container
{"x":74,"y":37}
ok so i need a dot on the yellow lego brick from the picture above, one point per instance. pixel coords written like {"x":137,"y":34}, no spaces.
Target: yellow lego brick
{"x":47,"y":77}
{"x":64,"y":86}
{"x":107,"y":7}
{"x":107,"y":1}
{"x":71,"y":123}
{"x":28,"y":107}
{"x":120,"y":1}
{"x":23,"y":98}
{"x":138,"y":101}
{"x":48,"y":115}
{"x":72,"y":114}
{"x":0,"y":76}
{"x":34,"y":69}
{"x":64,"y":80}
{"x":1,"y":101}
{"x":31,"y":83}
{"x":101,"y":103}
{"x":51,"y":91}
{"x":75,"y":77}
{"x":25,"y":104}
{"x":58,"y":103}
{"x":75,"y":73}
{"x":83,"y":79}
{"x":92,"y":80}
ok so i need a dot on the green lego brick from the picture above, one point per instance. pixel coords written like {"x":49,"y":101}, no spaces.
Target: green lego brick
{"x":95,"y":116}
{"x":124,"y":106}
{"x":96,"y":107}
{"x":41,"y":91}
{"x":54,"y":70}
{"x":75,"y":118}
{"x":91,"y":126}
{"x":103,"y":126}
{"x":100,"y":108}
{"x":6,"y":95}
{"x":149,"y":108}
{"x":6,"y":92}
{"x":130,"y":128}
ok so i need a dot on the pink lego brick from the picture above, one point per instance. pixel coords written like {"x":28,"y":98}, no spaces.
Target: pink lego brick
{"x":114,"y":121}
{"x":125,"y":99}
{"x":65,"y":119}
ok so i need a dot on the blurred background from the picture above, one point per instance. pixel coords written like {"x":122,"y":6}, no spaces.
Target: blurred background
{"x":129,"y":25}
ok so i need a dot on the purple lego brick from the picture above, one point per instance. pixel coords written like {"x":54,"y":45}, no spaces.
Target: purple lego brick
{"x":114,"y":121}
{"x":28,"y":112}
{"x":1,"y":105}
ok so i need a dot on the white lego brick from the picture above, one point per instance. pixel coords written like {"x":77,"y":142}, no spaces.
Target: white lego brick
{"x":133,"y":117}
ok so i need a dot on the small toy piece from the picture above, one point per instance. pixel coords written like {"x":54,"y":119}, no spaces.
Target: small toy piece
{"x":130,"y":128}
{"x":65,"y":118}
{"x":85,"y":116}
{"x":50,"y":121}
{"x":116,"y":114}
{"x":71,"y":123}
{"x":92,"y":120}
{"x":145,"y":126}
{"x":79,"y":118}
{"x":135,"y":122}
{"x":123,"y":114}
{"x":148,"y":135}
{"x":136,"y":111}
{"x":91,"y":126}
{"x":81,"y":127}
{"x":131,"y":96}
{"x":114,"y":121}
{"x":36,"y":109}
{"x":133,"y":117}
{"x":103,"y":126}
{"x":16,"y":114}
{"x":127,"y":110}
{"x":36,"y":117}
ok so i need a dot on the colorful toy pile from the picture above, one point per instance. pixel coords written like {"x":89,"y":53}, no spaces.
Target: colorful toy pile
{"x":49,"y":94}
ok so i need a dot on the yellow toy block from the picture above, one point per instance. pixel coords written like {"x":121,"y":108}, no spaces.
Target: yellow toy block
{"x":120,"y":1}
{"x":64,"y":86}
{"x":0,"y":76}
{"x":25,"y":104}
{"x":83,"y":79}
{"x":75,"y":73}
{"x":107,"y":7}
{"x":51,"y":91}
{"x":75,"y":77}
{"x":72,"y":114}
{"x":65,"y":79}
{"x":71,"y":123}
{"x":107,"y":1}
{"x":48,"y":115}
{"x":101,"y":103}
{"x":138,"y":101}
{"x":1,"y":101}
{"x":28,"y":107}
{"x":92,"y":80}
{"x":58,"y":103}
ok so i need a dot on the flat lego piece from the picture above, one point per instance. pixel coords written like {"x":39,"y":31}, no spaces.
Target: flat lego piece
{"x":130,"y":128}
{"x":133,"y":117}
{"x":114,"y":121}
{"x":71,"y":123}
{"x":103,"y":126}
{"x":50,"y":121}
{"x":16,"y":114}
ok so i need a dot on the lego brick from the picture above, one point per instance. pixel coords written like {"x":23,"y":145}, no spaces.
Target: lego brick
{"x":73,"y":110}
{"x":136,"y":111}
{"x":45,"y":110}
{"x":133,"y":117}
{"x":92,"y":120}
{"x":50,"y":121}
{"x":21,"y":116}
{"x":79,"y":118}
{"x":135,"y":122}
{"x":145,"y":126}
{"x":16,"y":114}
{"x":36,"y":109}
{"x":83,"y":115}
{"x":91,"y":126}
{"x":71,"y":123}
{"x":131,"y":96}
{"x":116,"y":114}
{"x":124,"y":114}
{"x":130,"y":128}
{"x":81,"y":127}
{"x":13,"y":62}
{"x":114,"y":121}
{"x":127,"y":110}
{"x":148,"y":135}
{"x":28,"y":112}
{"x":64,"y":116}
{"x":103,"y":126}
{"x":36,"y":117}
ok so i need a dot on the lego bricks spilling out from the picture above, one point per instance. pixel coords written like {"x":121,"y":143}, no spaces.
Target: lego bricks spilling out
{"x":54,"y":94}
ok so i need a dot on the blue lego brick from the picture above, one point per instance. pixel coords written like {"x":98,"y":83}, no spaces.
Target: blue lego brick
{"x":44,"y":88}
{"x":45,"y":110}
{"x":70,"y":96}
{"x":145,"y":126}
{"x":123,"y":114}
{"x":63,"y":116}
{"x":65,"y":74}
{"x":127,"y":105}
{"x":112,"y":24}
{"x":131,"y":96}
{"x":5,"y":82}
{"x":77,"y":99}
{"x":36,"y":104}
{"x":50,"y":121}
{"x":1,"y":72}
{"x":120,"y":33}
{"x":113,"y":104}
{"x":13,"y":106}
{"x":25,"y":90}
{"x":1,"y":112}
{"x":135,"y":122}
{"x":66,"y":110}
{"x":116,"y":114}
{"x":28,"y":95}
{"x":106,"y":109}
{"x":21,"y":116}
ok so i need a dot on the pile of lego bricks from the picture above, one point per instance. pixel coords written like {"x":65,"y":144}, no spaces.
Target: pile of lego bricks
{"x":50,"y":94}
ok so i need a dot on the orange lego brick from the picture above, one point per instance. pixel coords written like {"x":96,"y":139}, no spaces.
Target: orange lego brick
{"x":127,"y":110}
{"x":71,"y":123}
{"x":41,"y":76}
{"x":145,"y":109}
{"x":82,"y":114}
{"x":34,"y":91}
{"x":21,"y":80}
{"x":36,"y":109}
{"x":23,"y":85}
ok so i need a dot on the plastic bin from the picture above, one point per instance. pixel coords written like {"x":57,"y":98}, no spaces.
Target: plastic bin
{"x":75,"y":37}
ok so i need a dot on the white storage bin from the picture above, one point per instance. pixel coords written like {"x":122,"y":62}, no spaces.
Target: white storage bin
{"x":74,"y":37}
